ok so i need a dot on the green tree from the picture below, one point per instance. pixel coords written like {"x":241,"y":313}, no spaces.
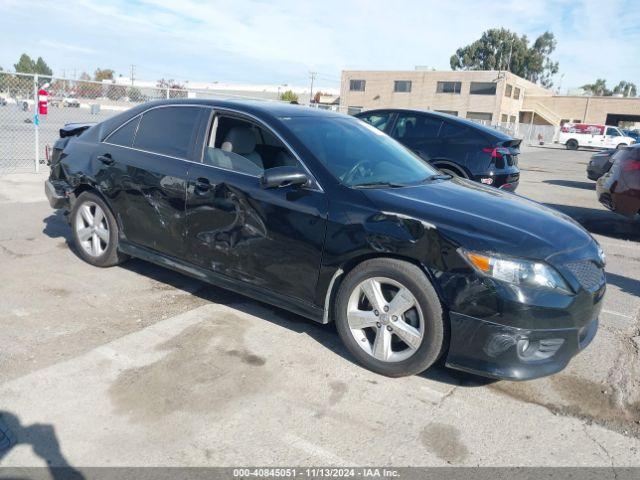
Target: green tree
{"x":25,"y":64}
{"x":289,"y":96}
{"x":100,"y":74}
{"x":502,"y":49}
{"x":627,"y":89}
{"x":597,"y":88}
{"x":42,"y":68}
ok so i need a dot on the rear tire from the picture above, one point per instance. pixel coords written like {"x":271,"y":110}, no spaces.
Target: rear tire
{"x":572,"y":144}
{"x":403,"y":330}
{"x":95,"y":231}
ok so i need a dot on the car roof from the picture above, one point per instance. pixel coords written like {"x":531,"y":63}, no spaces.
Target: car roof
{"x":444,"y":116}
{"x":261,"y":108}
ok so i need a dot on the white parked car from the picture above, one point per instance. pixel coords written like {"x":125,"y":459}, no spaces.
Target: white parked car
{"x":70,"y":102}
{"x":590,"y":135}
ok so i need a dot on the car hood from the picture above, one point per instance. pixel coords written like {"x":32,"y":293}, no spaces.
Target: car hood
{"x":484,"y":218}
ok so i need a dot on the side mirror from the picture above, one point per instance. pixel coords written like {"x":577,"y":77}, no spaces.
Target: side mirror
{"x":283,"y":177}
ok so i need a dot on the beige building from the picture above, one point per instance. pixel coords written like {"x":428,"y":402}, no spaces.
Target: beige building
{"x":482,"y":95}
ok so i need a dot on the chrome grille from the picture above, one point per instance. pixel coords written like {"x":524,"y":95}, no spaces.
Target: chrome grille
{"x":590,"y":275}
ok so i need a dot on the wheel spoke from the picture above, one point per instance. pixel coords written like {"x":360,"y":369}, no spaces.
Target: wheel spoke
{"x":402,"y":302}
{"x":373,"y":291}
{"x":96,"y":247}
{"x":103,"y":233}
{"x":98,"y":217}
{"x":408,"y":334}
{"x":382,"y":344}
{"x":85,"y":211}
{"x":84,"y":234}
{"x":359,"y":319}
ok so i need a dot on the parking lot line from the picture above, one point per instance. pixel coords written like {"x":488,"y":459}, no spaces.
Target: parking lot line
{"x":618,"y":314}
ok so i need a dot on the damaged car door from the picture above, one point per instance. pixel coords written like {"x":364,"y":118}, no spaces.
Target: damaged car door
{"x":254,"y":213}
{"x":144,"y":173}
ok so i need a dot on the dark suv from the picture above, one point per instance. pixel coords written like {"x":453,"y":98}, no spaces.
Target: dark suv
{"x":453,"y":145}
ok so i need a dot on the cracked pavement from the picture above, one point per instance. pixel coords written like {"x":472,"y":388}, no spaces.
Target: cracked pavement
{"x":137,"y":365}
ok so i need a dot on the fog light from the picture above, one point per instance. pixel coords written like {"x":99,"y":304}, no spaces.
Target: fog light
{"x":487,"y":181}
{"x":533,"y":350}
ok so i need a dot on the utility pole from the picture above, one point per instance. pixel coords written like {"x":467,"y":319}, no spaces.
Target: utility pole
{"x":133,"y":72}
{"x":313,"y":77}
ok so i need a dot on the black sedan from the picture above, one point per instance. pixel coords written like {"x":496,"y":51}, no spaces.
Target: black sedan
{"x":600,"y":163}
{"x":329,"y":217}
{"x":453,"y":145}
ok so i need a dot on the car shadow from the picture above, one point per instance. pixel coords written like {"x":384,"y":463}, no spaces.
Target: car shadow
{"x":572,"y":183}
{"x":43,"y":440}
{"x":602,"y":222}
{"x":325,"y":335}
{"x":626,"y":284}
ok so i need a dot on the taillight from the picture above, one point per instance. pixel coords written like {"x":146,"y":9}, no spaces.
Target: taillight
{"x":497,"y":154}
{"x":631,"y":165}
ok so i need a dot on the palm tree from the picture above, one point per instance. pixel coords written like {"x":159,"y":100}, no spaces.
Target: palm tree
{"x":627,"y":89}
{"x":598,"y":88}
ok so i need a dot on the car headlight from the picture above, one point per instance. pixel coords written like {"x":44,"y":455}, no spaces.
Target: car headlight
{"x":516,"y":271}
{"x":601,"y":256}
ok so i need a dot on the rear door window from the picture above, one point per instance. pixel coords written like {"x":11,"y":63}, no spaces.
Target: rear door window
{"x":169,"y":130}
{"x":124,"y":135}
{"x":460,"y":134}
{"x":412,"y":127}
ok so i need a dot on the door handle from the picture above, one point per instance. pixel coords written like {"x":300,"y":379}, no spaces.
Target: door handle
{"x":106,"y":159}
{"x":202,"y":186}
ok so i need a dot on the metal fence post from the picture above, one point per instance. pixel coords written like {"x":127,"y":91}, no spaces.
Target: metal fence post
{"x":36,"y":121}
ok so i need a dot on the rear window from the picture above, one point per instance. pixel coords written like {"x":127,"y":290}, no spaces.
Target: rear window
{"x":168,"y":130}
{"x":410,"y":126}
{"x":460,"y":134}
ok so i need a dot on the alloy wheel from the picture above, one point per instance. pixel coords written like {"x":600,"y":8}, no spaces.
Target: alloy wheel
{"x":92,"y":229}
{"x":385,"y":319}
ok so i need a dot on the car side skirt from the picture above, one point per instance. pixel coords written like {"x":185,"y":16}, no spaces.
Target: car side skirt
{"x":271,"y":297}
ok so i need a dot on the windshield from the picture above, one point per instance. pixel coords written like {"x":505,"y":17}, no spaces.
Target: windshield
{"x":358,"y":154}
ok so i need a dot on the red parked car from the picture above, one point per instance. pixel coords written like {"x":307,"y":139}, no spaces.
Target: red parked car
{"x":619,"y":188}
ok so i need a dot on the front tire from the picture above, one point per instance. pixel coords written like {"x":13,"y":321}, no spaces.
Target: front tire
{"x":390,"y":318}
{"x":95,"y":231}
{"x":621,"y":145}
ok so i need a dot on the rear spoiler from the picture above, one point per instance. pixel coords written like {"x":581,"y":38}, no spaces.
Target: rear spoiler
{"x":74,"y":129}
{"x":511,"y":143}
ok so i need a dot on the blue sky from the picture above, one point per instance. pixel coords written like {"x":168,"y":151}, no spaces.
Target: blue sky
{"x":259,"y":41}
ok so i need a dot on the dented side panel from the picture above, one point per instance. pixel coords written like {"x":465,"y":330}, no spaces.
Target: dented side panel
{"x":270,"y":238}
{"x":147,"y":194}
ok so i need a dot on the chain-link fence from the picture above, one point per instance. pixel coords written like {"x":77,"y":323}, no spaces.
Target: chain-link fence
{"x":531,"y":134}
{"x":25,"y":137}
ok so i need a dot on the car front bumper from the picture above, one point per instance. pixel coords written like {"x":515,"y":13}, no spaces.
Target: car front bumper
{"x":508,"y":353}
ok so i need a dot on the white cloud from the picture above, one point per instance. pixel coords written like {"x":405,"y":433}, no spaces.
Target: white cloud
{"x":279,"y":41}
